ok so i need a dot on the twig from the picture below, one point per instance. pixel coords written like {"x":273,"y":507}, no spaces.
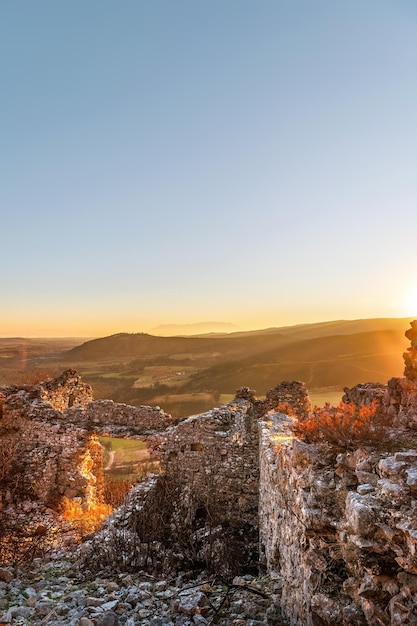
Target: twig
{"x":220,"y":607}
{"x":258,"y":592}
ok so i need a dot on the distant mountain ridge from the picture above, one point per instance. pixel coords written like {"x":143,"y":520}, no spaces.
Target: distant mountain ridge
{"x":198,"y":328}
{"x":232,"y":346}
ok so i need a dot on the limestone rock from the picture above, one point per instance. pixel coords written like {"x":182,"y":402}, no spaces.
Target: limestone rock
{"x":192,"y":603}
{"x":359,"y":515}
{"x":108,"y":619}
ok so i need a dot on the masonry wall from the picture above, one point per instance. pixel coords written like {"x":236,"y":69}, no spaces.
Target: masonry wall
{"x":48,"y":440}
{"x":45,"y":455}
{"x":340,"y":532}
{"x":397,"y":400}
{"x":208,"y":492}
{"x":202,"y":511}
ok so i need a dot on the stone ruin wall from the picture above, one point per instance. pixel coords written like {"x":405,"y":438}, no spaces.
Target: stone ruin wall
{"x":208,"y":492}
{"x":208,"y":489}
{"x":45,"y":455}
{"x":340,"y":533}
{"x":49,"y":446}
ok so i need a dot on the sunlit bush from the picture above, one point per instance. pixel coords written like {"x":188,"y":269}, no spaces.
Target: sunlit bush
{"x":344,"y":426}
{"x":286,"y":408}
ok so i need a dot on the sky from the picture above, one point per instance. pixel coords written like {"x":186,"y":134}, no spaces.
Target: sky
{"x":228,"y":160}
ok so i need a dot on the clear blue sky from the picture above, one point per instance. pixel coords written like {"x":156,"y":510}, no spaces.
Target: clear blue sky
{"x":182,"y":161}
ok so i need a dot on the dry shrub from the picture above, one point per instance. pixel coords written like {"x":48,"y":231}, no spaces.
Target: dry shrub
{"x":34,"y":377}
{"x":286,"y":408}
{"x":7,"y":451}
{"x":115,"y":491}
{"x":84,"y":520}
{"x":22,"y":542}
{"x":345,"y":426}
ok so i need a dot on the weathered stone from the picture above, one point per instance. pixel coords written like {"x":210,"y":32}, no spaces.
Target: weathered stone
{"x":409,"y":456}
{"x":408,"y":580}
{"x":391,"y":467}
{"x":44,"y":607}
{"x":93,"y":601}
{"x":112,"y":586}
{"x":412,"y":478}
{"x":192,"y":603}
{"x":108,"y":606}
{"x":359,"y":515}
{"x":108,"y":619}
{"x":367,"y":478}
{"x":365,"y":488}
{"x":22,"y":611}
{"x":5,"y":575}
{"x":391,"y":489}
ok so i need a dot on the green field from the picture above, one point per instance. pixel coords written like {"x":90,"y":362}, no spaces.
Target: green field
{"x":126,"y":458}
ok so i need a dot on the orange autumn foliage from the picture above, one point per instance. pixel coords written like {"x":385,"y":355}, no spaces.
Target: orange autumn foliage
{"x":344,"y":426}
{"x":286,"y":408}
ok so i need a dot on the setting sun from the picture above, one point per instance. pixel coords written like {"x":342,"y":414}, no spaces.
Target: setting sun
{"x":410,"y":301}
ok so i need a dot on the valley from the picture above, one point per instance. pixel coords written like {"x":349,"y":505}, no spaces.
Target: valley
{"x":191,"y":374}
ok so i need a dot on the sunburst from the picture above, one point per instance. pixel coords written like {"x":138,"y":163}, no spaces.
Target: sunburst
{"x":410,"y":301}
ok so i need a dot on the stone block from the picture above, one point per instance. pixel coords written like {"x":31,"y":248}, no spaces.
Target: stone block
{"x":359,"y":515}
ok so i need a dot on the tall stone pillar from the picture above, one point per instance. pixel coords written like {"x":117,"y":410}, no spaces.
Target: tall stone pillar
{"x":410,"y":357}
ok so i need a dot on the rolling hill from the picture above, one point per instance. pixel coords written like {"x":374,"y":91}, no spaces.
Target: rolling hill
{"x":184,"y":373}
{"x":190,"y":374}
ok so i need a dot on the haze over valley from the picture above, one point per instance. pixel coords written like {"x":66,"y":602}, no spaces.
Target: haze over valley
{"x":190,"y":374}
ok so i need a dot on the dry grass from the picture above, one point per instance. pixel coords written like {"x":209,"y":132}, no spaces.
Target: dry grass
{"x":115,"y":491}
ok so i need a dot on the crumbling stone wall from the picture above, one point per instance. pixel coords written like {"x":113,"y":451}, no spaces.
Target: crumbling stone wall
{"x":290,"y":395}
{"x":208,"y":493}
{"x":46,"y":455}
{"x":208,"y":490}
{"x":66,"y":390}
{"x":121,"y":420}
{"x":339,"y":529}
{"x":48,"y":443}
{"x":410,"y":357}
{"x":213,"y":459}
{"x":341,"y":533}
{"x":397,"y":400}
{"x":365,"y":393}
